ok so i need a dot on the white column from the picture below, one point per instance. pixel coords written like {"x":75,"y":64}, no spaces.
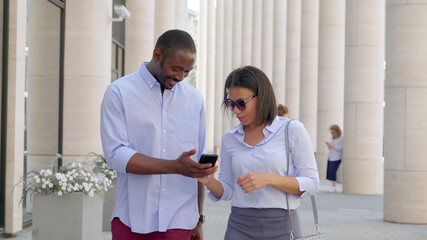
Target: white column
{"x":15,"y":116}
{"x":330,"y":105}
{"x":139,"y":34}
{"x":247,"y":32}
{"x":267,"y":37}
{"x":181,"y":14}
{"x":219,"y":73}
{"x":279,"y":61}
{"x":42,"y":83}
{"x":309,"y":67}
{"x":257,"y":33}
{"x":210,"y":77}
{"x":202,"y":47}
{"x":237,"y":34}
{"x":364,"y":94}
{"x":293,"y":57}
{"x":87,"y":73}
{"x":405,"y":125}
{"x":164,"y":17}
{"x":228,"y":55}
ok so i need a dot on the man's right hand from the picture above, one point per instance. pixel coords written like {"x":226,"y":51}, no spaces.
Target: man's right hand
{"x":190,"y":168}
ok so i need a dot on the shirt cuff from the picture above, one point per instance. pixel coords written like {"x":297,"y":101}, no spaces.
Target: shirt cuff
{"x":121,"y":159}
{"x":226,"y":195}
{"x":306,"y":185}
{"x":212,"y":197}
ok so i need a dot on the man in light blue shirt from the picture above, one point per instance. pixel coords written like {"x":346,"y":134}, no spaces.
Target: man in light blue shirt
{"x":153,"y":131}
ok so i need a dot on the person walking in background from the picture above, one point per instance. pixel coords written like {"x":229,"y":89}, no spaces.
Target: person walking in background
{"x":282,"y":111}
{"x":152,"y":122}
{"x":254,"y":164}
{"x":334,"y":156}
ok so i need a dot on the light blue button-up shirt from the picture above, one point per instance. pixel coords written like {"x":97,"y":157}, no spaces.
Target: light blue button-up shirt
{"x":268,"y":156}
{"x":135,"y":117}
{"x":335,"y":154}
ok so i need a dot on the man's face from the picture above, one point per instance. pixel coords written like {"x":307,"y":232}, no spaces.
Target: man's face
{"x":175,"y":67}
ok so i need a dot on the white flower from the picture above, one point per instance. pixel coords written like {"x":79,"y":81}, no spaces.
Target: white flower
{"x":48,"y":173}
{"x":88,"y":177}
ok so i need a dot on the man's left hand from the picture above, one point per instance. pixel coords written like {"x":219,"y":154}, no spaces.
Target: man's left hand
{"x":197,"y":233}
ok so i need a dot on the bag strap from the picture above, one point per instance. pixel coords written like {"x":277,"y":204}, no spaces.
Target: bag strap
{"x":287,"y":174}
{"x":313,"y":200}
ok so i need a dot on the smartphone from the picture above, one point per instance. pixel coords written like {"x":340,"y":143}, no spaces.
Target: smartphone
{"x":208,"y":158}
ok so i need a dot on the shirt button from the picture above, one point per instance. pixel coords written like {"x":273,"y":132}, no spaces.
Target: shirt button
{"x":163,"y":189}
{"x":164,"y":131}
{"x":164,"y":150}
{"x":161,"y":209}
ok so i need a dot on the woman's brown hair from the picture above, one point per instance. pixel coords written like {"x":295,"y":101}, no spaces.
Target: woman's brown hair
{"x":337,"y":129}
{"x":282,"y":110}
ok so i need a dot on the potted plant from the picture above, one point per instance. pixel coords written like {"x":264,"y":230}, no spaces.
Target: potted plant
{"x":67,"y":203}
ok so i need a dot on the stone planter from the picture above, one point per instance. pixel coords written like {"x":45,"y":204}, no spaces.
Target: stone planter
{"x":109,"y":203}
{"x":74,"y":216}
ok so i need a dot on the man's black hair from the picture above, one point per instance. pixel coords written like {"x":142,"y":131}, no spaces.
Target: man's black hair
{"x":175,"y":40}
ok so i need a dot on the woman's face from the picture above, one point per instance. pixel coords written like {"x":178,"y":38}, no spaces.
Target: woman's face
{"x":334,"y":133}
{"x":248,"y":116}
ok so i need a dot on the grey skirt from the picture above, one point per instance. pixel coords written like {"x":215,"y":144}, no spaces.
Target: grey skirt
{"x":261,"y":224}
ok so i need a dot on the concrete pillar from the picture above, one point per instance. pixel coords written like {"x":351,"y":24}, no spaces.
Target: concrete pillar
{"x":43,"y":83}
{"x":279,"y":61}
{"x":237,"y":34}
{"x":267,"y":37}
{"x":330,"y":105}
{"x":139,"y":34}
{"x":247,"y":32}
{"x":202,"y":46}
{"x":219,"y":73}
{"x":364,"y":95}
{"x":15,"y":116}
{"x":164,"y":17}
{"x":309,"y":67}
{"x":181,"y":15}
{"x":87,"y":73}
{"x":210,"y":77}
{"x":293,"y":57}
{"x":257,"y":33}
{"x":405,"y":119}
{"x":227,"y":121}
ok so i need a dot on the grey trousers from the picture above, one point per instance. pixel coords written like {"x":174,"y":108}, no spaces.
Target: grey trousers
{"x":261,"y":224}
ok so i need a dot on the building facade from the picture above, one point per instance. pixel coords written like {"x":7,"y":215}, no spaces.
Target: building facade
{"x":326,"y":60}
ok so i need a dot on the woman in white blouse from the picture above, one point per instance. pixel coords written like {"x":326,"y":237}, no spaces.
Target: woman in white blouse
{"x":253,"y":162}
{"x":334,"y":156}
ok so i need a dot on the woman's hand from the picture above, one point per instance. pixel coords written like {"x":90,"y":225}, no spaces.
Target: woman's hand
{"x":252,"y":181}
{"x":206,"y":180}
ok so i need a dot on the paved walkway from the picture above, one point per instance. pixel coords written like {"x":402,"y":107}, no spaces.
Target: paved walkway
{"x":341,"y":216}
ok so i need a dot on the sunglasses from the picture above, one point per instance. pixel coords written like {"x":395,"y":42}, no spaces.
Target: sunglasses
{"x":240,"y":104}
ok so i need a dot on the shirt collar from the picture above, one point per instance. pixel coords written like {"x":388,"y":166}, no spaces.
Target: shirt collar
{"x":268,"y":130}
{"x":148,"y":78}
